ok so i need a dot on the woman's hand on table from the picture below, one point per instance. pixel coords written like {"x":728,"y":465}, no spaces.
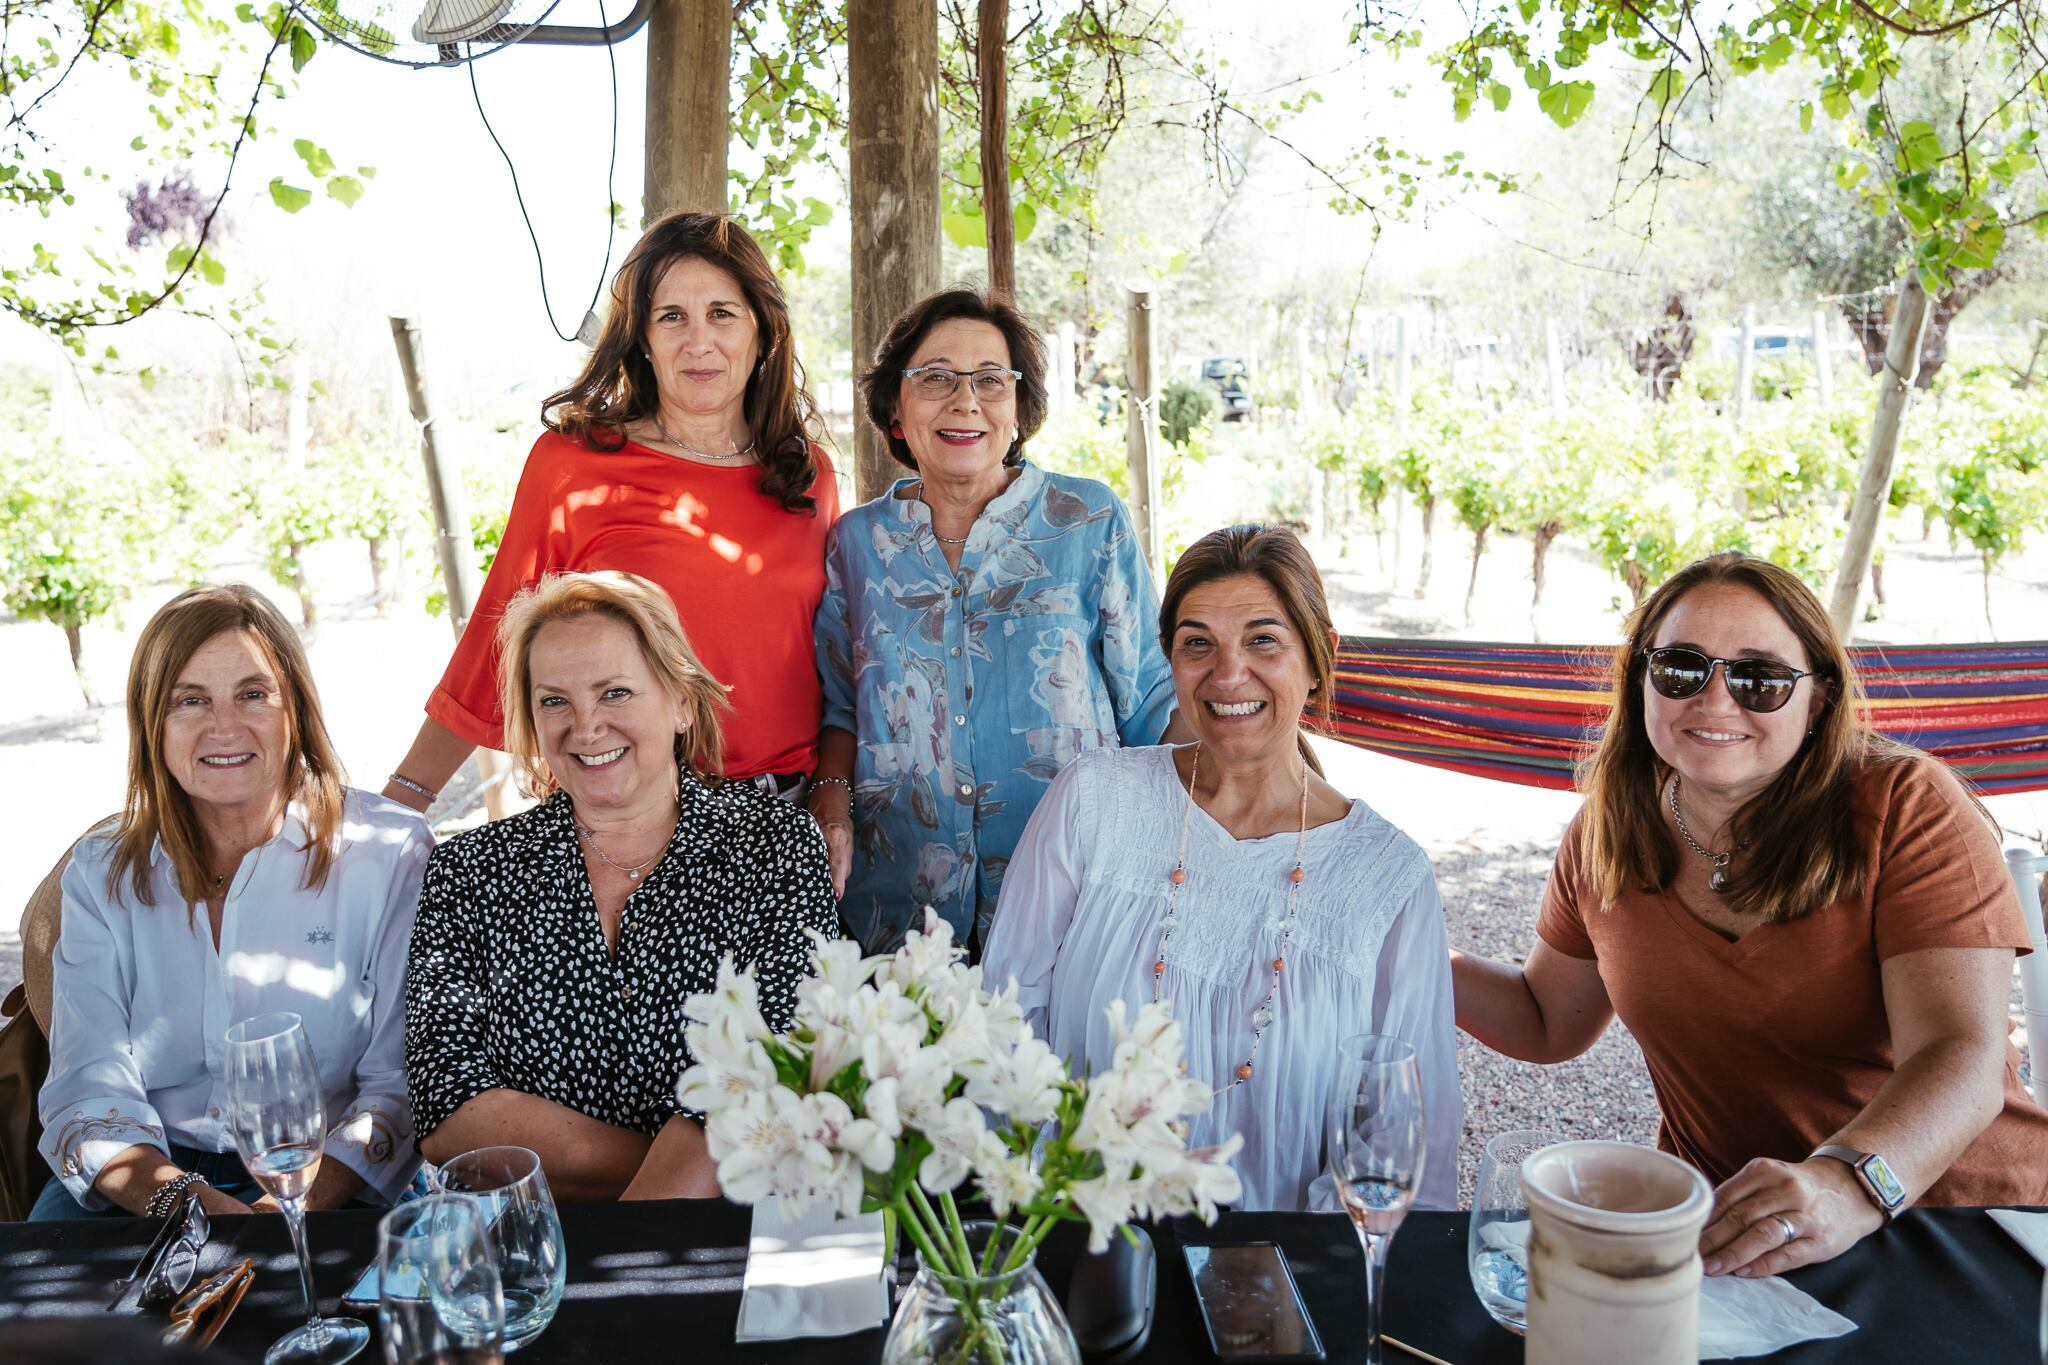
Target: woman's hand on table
{"x":213,"y":1201}
{"x":1820,"y":1197}
{"x":831,"y":805}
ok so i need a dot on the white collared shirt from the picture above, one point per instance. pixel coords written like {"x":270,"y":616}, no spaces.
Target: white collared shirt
{"x":143,"y":1000}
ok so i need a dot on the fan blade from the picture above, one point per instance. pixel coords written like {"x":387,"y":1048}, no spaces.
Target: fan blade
{"x":454,"y":21}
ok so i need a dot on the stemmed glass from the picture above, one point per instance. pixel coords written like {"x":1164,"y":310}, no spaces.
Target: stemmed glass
{"x":278,"y":1116}
{"x":1376,"y":1152}
{"x":439,"y":1300}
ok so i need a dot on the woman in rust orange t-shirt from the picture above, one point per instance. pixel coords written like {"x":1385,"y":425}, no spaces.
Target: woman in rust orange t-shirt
{"x":1808,"y":929}
{"x":682,"y":453}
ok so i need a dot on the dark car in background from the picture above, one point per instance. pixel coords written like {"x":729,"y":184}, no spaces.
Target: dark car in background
{"x":1231,"y":379}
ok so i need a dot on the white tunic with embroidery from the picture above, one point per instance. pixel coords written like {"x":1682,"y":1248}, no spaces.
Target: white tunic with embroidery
{"x":1078,"y":927}
{"x":143,"y":999}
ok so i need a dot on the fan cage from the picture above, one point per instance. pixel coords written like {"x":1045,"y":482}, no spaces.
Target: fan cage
{"x":383,"y":29}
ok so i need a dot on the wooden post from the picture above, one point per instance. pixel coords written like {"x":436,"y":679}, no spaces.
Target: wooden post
{"x":892,"y":72}
{"x":991,"y":48}
{"x":1745,"y":364}
{"x":452,"y":543}
{"x":1401,"y":393}
{"x":1307,"y":392}
{"x":1141,"y":433}
{"x":1823,"y":363}
{"x":1895,"y":388}
{"x":1061,"y":343}
{"x":689,"y":73}
{"x":1553,"y":364}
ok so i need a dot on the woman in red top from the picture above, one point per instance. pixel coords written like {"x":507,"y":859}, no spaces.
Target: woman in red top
{"x":684,"y":453}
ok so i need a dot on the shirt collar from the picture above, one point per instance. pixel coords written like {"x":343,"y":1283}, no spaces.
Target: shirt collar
{"x":1030,"y":478}
{"x":293,"y":828}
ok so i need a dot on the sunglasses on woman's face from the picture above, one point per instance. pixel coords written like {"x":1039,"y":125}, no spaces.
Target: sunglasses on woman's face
{"x":1760,"y":685}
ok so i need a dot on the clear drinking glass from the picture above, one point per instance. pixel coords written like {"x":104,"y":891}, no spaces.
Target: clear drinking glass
{"x":1497,"y":1245}
{"x":512,"y":1194}
{"x":278,"y":1116}
{"x":1376,"y":1152}
{"x":439,"y":1300}
{"x":2044,"y":1320}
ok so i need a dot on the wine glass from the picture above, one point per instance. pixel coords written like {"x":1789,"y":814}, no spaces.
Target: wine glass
{"x":439,"y":1301}
{"x":512,"y":1194}
{"x":1497,"y":1241}
{"x":278,"y":1116}
{"x":1376,"y":1152}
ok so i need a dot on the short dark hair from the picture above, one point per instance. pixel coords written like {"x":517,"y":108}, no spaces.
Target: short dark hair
{"x":882,"y":384}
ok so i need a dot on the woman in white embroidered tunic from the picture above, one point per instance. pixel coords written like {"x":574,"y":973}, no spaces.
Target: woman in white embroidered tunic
{"x":242,"y":878}
{"x":1228,"y":877}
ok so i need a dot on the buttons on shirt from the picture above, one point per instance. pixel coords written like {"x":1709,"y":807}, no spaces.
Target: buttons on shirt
{"x":954,"y":651}
{"x":625,"y":993}
{"x":959,"y":720}
{"x":956,"y":592}
{"x":966,"y":789}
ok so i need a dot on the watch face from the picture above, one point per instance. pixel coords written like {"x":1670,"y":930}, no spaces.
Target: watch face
{"x":1883,"y":1181}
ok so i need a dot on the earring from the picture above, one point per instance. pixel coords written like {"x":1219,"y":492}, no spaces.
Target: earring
{"x":896,"y":430}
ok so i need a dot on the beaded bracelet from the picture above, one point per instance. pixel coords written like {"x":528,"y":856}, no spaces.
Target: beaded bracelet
{"x":171,"y":1193}
{"x":818,"y":782}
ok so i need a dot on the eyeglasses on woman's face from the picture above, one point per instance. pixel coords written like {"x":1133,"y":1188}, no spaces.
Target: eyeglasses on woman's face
{"x":1759,"y":685}
{"x":938,"y":383}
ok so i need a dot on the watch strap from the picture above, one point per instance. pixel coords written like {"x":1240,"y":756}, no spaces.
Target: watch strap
{"x":1854,"y":1160}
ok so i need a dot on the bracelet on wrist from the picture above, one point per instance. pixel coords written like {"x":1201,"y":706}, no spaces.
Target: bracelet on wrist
{"x":167,"y":1196}
{"x":818,"y":782}
{"x":402,"y":780}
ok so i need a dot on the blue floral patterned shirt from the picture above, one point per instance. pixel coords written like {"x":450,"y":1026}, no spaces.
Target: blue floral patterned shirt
{"x":968,"y":692}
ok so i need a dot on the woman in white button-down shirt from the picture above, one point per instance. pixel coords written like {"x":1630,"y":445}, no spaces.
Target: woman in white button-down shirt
{"x":242,"y":877}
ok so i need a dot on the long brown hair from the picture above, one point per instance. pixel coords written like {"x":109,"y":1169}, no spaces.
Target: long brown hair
{"x":157,"y":808}
{"x":1275,"y":554}
{"x":1799,"y":832}
{"x":618,"y":386}
{"x":643,"y":608}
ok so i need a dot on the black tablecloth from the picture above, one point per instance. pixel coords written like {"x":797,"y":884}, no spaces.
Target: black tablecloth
{"x":661,"y":1281}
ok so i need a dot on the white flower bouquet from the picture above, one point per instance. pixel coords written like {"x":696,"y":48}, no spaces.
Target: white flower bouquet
{"x":902,"y":1077}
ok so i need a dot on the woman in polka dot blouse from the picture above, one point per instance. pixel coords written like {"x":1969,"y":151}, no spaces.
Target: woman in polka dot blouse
{"x":553,"y":950}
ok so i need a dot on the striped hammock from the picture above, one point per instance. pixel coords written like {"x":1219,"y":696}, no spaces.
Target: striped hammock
{"x":1529,"y":713}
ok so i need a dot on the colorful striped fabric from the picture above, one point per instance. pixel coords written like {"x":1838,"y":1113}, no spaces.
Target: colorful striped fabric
{"x":1528,"y":713}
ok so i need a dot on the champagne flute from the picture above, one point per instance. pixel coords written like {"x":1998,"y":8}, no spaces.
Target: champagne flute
{"x":439,"y":1299}
{"x":1376,"y":1153}
{"x":278,"y":1115}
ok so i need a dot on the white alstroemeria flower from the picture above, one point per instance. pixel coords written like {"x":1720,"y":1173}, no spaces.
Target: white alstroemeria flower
{"x":1003,"y":1019}
{"x":1107,"y":1202}
{"x":840,"y":977}
{"x":833,"y":1048}
{"x":1025,"y":1084}
{"x":728,"y":1016}
{"x":1193,"y":1182}
{"x":709,"y":1087}
{"x":925,"y":958}
{"x":955,"y":1139}
{"x":769,"y":1148}
{"x":1006,"y":1179}
{"x":922,"y":1074}
{"x":880,"y":1103}
{"x":1151,"y":1040}
{"x":862,"y":1139}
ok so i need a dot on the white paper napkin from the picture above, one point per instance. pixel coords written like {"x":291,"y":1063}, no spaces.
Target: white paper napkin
{"x":2030,"y":1230}
{"x":817,"y":1277}
{"x":1738,"y":1317}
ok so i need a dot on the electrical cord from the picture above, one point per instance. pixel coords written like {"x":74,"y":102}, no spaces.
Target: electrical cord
{"x":610,"y":196}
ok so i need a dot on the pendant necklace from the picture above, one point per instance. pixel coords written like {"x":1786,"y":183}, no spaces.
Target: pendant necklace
{"x":633,"y":872}
{"x":734,"y":458}
{"x":1263,"y":1013}
{"x":943,"y":540}
{"x":1718,"y":879}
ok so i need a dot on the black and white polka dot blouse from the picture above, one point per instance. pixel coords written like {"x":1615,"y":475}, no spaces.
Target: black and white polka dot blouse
{"x":511,"y":985}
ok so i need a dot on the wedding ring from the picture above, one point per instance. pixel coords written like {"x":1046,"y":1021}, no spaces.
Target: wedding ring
{"x":1791,"y":1233}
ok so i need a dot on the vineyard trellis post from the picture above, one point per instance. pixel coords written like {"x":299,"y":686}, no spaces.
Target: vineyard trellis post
{"x":1823,"y":362}
{"x":1141,"y":433}
{"x":1745,"y":364}
{"x":1895,"y":390}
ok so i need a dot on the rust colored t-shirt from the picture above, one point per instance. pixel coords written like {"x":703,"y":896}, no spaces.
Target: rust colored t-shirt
{"x":1767,"y":1046}
{"x":746,"y":576}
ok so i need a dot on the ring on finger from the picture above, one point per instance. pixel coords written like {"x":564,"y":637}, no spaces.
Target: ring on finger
{"x":1791,"y":1233}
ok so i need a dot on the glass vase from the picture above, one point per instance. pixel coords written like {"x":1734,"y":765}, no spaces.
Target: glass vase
{"x":1006,"y":1316}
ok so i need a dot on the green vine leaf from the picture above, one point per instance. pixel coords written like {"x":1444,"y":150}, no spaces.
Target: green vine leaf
{"x":290,"y":198}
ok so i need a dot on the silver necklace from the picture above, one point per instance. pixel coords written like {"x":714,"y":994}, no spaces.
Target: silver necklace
{"x":1717,"y":880}
{"x":633,"y":872}
{"x":943,"y":540}
{"x":1263,"y":1013}
{"x":737,"y":455}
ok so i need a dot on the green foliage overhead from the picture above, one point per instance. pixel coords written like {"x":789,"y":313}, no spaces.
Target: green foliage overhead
{"x":1959,"y":185}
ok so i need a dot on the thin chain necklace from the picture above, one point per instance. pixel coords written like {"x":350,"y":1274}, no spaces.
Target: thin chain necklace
{"x":1718,"y":879}
{"x":734,"y":458}
{"x":929,"y":512}
{"x":633,"y":872}
{"x":1263,"y":1012}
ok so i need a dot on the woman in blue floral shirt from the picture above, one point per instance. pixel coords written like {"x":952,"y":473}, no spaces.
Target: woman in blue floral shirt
{"x":983,"y":623}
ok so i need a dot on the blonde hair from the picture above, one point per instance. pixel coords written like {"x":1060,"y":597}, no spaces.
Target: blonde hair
{"x":157,"y":809}
{"x":643,"y":608}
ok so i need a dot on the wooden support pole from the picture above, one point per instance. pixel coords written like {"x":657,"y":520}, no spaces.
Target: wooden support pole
{"x":1823,"y":362}
{"x":453,"y":546}
{"x":1745,"y":364}
{"x":892,"y":72}
{"x":1141,"y":433}
{"x":991,"y":46}
{"x":1061,"y":383}
{"x":1894,"y":390}
{"x":689,"y":74}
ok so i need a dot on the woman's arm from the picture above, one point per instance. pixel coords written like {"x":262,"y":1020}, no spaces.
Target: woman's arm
{"x":586,"y":1160}
{"x":831,"y":804}
{"x":1946,"y":1007}
{"x":1550,"y":1009}
{"x":435,"y":754}
{"x":678,"y":1165}
{"x":131,"y":1176}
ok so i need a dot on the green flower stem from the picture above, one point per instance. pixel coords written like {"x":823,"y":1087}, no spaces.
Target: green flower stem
{"x":921,"y":1238}
{"x":952,"y":1211}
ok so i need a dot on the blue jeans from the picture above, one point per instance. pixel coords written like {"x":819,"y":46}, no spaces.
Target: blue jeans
{"x":223,"y":1170}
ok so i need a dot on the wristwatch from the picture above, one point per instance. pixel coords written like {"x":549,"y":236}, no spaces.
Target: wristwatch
{"x":1877,"y":1179}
